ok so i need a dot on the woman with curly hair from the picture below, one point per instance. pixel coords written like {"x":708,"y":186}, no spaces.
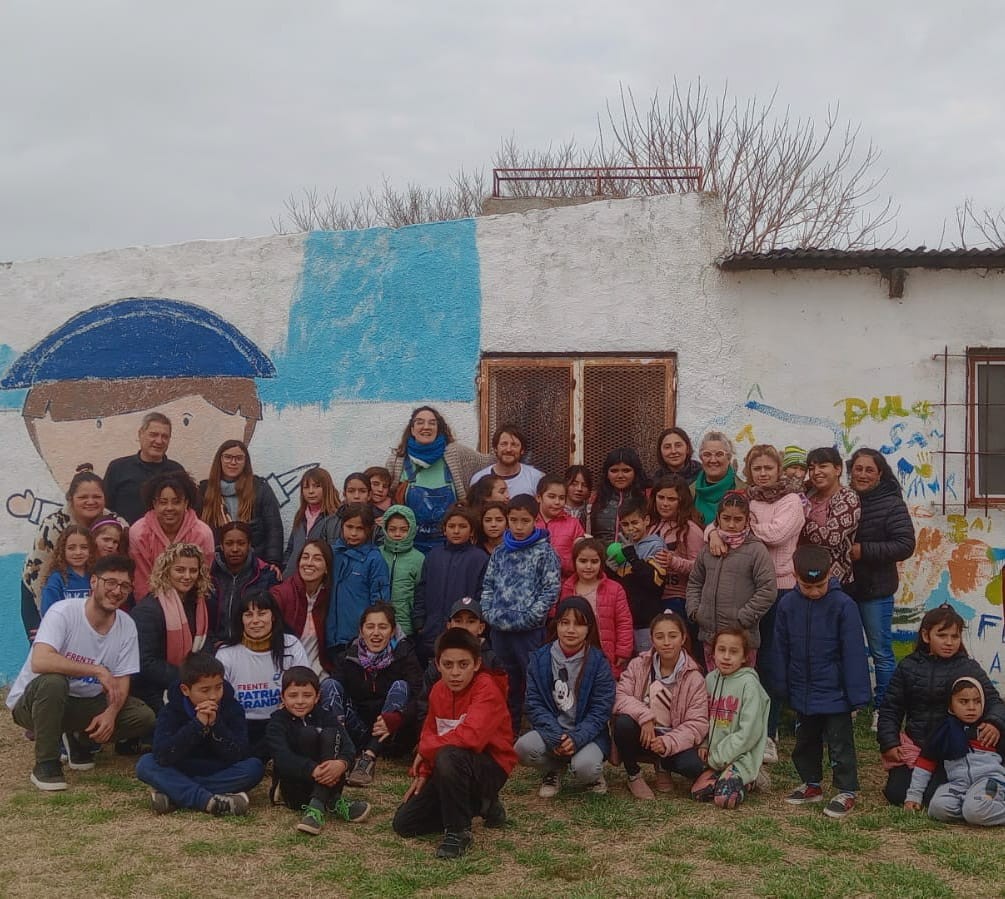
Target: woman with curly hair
{"x":172,"y":621}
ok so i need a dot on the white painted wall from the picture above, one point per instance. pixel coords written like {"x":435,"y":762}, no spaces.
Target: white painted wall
{"x":630,"y":276}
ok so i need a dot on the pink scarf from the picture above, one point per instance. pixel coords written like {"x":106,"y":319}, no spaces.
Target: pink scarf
{"x":180,"y":641}
{"x":733,"y":540}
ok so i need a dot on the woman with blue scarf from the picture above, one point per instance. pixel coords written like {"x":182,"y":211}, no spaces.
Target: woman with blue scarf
{"x":432,"y":472}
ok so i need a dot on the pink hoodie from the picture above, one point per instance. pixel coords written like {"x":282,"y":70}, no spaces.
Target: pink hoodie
{"x":778,"y":526}
{"x":688,"y":701}
{"x":564,"y":531}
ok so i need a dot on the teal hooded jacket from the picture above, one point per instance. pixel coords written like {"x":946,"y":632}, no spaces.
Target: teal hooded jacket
{"x":404,"y":563}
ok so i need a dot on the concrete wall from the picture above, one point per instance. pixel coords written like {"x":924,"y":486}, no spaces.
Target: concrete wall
{"x":362,"y":326}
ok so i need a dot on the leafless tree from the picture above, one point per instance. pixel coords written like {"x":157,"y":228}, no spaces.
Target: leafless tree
{"x":977,"y":228}
{"x":783,"y":180}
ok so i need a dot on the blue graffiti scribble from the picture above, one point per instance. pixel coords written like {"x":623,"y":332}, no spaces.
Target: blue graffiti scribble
{"x":794,"y":419}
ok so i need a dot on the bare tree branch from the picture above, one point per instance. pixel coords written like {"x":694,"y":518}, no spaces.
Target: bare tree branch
{"x":783,"y":181}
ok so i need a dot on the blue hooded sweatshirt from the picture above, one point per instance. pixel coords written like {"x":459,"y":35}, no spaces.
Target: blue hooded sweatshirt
{"x":359,"y":579}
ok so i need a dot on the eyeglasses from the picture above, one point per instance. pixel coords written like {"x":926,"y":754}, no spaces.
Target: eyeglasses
{"x":718,"y":457}
{"x":234,"y":459}
{"x":113,"y":586}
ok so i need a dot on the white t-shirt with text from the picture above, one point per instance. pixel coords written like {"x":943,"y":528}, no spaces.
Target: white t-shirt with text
{"x":254,"y":677}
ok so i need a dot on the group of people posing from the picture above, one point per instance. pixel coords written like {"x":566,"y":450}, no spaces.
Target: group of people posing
{"x":445,"y":597}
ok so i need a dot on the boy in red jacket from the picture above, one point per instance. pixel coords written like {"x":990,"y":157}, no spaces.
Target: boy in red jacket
{"x":465,"y":751}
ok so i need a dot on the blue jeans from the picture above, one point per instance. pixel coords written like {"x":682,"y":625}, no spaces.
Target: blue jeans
{"x":195,"y":791}
{"x":877,"y":619}
{"x":333,"y":696}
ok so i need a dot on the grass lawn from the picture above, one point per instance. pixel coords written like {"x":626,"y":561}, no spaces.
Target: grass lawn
{"x":100,"y":839}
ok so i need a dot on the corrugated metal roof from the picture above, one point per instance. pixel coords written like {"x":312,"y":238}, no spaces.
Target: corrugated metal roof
{"x":814,"y":258}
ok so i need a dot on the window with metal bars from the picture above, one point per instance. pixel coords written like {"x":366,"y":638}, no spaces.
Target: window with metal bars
{"x":986,"y":427}
{"x":576,"y":409}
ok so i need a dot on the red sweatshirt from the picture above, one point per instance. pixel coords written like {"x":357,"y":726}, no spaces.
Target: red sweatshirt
{"x":477,"y":718}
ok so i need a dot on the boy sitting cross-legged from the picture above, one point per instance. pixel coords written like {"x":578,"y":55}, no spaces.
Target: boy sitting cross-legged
{"x":201,"y":757}
{"x":311,"y":751}
{"x":465,"y":751}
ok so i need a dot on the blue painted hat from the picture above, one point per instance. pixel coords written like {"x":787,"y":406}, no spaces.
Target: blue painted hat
{"x":140,"y":337}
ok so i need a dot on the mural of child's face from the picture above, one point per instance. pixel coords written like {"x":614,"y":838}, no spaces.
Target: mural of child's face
{"x":199,"y":428}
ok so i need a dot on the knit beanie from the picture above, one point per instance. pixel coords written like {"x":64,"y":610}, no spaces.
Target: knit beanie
{"x":793,"y":455}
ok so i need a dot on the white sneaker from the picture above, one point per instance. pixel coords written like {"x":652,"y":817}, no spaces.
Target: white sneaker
{"x":875,"y":721}
{"x":770,"y":752}
{"x":551,"y":783}
{"x":600,"y":787}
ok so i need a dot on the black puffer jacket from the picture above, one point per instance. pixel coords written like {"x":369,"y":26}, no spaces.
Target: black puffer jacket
{"x":919,"y":693}
{"x":368,"y":689}
{"x":886,"y":535}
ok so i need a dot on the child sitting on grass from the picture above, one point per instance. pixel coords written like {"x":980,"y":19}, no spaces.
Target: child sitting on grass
{"x":661,"y":709}
{"x":465,"y":752}
{"x":975,"y":787}
{"x":570,"y":696}
{"x":201,"y":757}
{"x":737,"y":724}
{"x":312,"y":752}
{"x":820,"y":669}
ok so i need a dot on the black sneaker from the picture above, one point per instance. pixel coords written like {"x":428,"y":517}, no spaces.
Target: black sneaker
{"x":78,"y":757}
{"x":228,"y":804}
{"x":362,"y":772}
{"x":130,"y":747}
{"x":455,"y":844}
{"x":312,"y":821}
{"x":48,"y":776}
{"x":352,"y":812}
{"x":495,"y":814}
{"x":160,"y":803}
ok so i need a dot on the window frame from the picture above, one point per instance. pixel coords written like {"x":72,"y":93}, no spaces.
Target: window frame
{"x":976,"y":358}
{"x":576,"y":364}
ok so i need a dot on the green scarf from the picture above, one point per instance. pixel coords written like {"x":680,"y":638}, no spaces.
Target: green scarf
{"x":708,"y":496}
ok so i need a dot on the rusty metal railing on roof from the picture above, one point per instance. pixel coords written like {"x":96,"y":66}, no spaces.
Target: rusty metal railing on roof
{"x":687,"y":176}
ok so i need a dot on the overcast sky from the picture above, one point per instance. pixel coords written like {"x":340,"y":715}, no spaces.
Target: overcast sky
{"x":127,"y":123}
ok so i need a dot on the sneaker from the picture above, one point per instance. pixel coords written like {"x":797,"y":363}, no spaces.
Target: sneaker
{"x":353,"y":812}
{"x":130,"y":747}
{"x":840,"y":806}
{"x":875,"y":722}
{"x":495,"y":814}
{"x":228,"y":804}
{"x":312,"y":821}
{"x":455,"y":843}
{"x":599,"y":788}
{"x":362,"y":772}
{"x":805,"y":793}
{"x":79,"y":758}
{"x":763,"y":781}
{"x":551,"y":783}
{"x":770,"y":752}
{"x":638,"y":787}
{"x":664,"y":781}
{"x":160,"y":803}
{"x":48,"y":776}
{"x":276,"y":793}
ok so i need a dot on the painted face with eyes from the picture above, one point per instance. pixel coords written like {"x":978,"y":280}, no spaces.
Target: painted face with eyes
{"x":198,"y":430}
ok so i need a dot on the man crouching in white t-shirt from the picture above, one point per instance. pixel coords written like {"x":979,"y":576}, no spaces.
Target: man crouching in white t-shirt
{"x":75,"y":681}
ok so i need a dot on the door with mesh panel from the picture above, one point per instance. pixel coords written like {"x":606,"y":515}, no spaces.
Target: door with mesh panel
{"x":536,"y":396}
{"x":625,"y":403}
{"x":577,"y":409}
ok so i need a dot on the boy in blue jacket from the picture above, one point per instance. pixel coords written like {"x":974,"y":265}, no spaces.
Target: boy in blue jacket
{"x":522,"y":583}
{"x":201,"y":757}
{"x":823,"y":673}
{"x":452,"y":571}
{"x":359,"y":579}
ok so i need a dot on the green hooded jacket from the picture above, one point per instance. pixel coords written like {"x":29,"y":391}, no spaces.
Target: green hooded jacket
{"x":405,"y":565}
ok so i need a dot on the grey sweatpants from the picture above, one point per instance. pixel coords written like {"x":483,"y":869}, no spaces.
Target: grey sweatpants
{"x":982,"y":804}
{"x":586,"y":766}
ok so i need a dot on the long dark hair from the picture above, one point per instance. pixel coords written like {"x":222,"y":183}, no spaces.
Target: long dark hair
{"x":326,"y":551}
{"x":605,"y":492}
{"x":661,"y":465}
{"x":212,"y":501}
{"x":261,"y":599}
{"x":886,"y":475}
{"x":583,"y":612}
